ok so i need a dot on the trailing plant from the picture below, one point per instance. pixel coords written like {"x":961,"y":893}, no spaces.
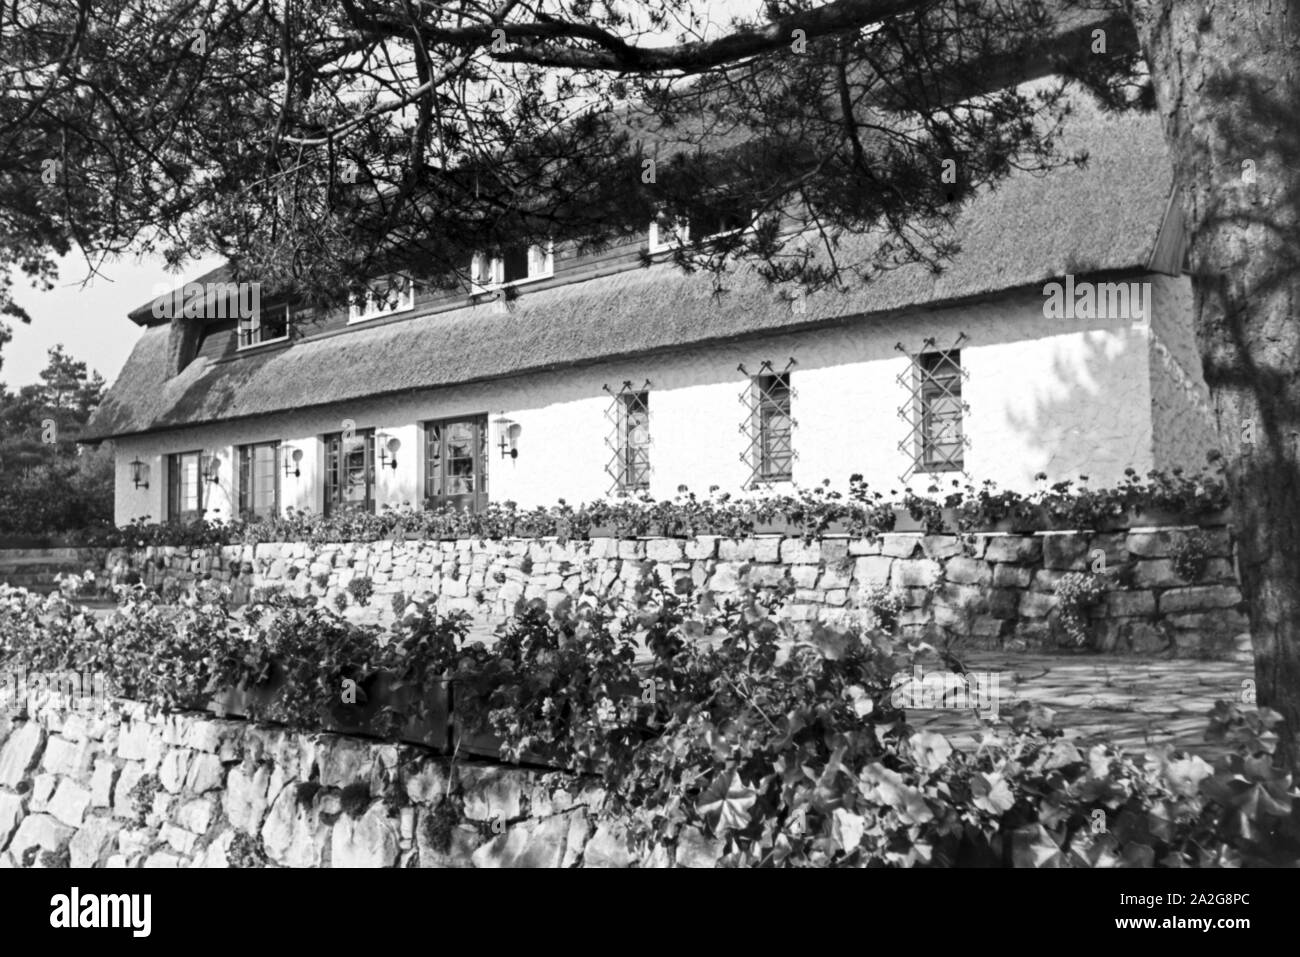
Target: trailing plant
{"x":785,"y":750}
{"x":245,"y":851}
{"x":1190,"y":556}
{"x":361,"y":589}
{"x":142,"y":794}
{"x":985,"y":507}
{"x":1076,"y":592}
{"x":354,"y":799}
{"x":885,"y":606}
{"x":926,"y":511}
{"x":57,"y":859}
{"x":861,"y":512}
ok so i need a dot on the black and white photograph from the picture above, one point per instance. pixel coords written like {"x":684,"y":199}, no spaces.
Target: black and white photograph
{"x":648,"y":434}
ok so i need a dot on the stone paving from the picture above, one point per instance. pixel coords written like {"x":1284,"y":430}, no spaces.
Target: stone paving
{"x":1132,"y":701}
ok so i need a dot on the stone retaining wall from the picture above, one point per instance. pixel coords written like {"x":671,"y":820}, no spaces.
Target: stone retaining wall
{"x":992,"y":591}
{"x":116,"y":788}
{"x":36,"y":568}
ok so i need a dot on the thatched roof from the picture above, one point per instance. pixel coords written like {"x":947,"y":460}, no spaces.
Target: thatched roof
{"x":1103,"y":217}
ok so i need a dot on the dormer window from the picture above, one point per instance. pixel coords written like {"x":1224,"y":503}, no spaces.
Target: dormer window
{"x":709,"y":224}
{"x":513,"y":264}
{"x":665,"y":233}
{"x":267,"y":324}
{"x":702,"y":224}
{"x":385,"y":296}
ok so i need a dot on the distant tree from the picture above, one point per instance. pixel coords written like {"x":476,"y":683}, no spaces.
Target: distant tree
{"x":48,"y":483}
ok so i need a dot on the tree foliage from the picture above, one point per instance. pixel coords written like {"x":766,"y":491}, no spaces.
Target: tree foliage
{"x":315,"y":142}
{"x":48,"y":483}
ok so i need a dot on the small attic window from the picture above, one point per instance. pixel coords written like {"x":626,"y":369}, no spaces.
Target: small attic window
{"x":266,"y":325}
{"x":702,"y":224}
{"x":513,"y":264}
{"x":385,"y":296}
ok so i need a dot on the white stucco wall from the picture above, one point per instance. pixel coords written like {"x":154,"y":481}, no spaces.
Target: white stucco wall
{"x":1061,"y":396}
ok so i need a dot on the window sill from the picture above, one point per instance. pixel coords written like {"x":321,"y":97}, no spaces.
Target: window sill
{"x":265,"y":342}
{"x":357,"y":320}
{"x":513,"y":284}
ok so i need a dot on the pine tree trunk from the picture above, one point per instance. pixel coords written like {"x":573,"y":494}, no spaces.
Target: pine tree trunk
{"x":1227,"y":83}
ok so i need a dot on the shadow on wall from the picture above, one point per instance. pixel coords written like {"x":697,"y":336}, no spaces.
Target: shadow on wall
{"x":1096,"y":421}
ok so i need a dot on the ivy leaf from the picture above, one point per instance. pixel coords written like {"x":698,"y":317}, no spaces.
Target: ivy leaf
{"x":726,"y":802}
{"x":831,"y":645}
{"x":1032,"y":846}
{"x":992,"y":794}
{"x":1099,"y":851}
{"x":879,"y":785}
{"x":848,"y":829}
{"x":931,"y":749}
{"x":1138,"y":855}
{"x":862,"y":703}
{"x":1099,"y":761}
{"x":1062,"y":754}
{"x":1185,"y":775}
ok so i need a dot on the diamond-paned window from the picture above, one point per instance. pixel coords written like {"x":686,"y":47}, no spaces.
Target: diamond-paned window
{"x":629,"y":441}
{"x":769,"y":426}
{"x":935,"y":411}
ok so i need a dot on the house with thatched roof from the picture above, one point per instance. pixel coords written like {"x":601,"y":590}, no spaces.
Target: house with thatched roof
{"x":1058,"y":340}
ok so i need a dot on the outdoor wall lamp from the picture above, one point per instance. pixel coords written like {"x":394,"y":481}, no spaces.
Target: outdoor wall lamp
{"x":294,"y":455}
{"x":388,"y":451}
{"x":508,"y":431}
{"x":139,"y":474}
{"x":211,"y":468}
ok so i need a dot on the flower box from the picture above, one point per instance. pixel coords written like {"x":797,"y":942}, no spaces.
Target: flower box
{"x":777,"y":527}
{"x":1214,"y":519}
{"x":604,"y":531}
{"x":1164,"y":518}
{"x":1026,"y":523}
{"x":1160,"y":518}
{"x":904,"y":522}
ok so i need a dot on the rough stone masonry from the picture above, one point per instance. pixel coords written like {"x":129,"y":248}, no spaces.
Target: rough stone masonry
{"x":993,"y":591}
{"x":118,"y":788}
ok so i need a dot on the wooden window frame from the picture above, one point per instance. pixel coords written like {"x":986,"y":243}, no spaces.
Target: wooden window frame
{"x":939,"y":377}
{"x":333,"y":478}
{"x":246,"y":459}
{"x":487,"y":272}
{"x":249,"y":336}
{"x":359,"y":311}
{"x":175,"y":473}
{"x":480,"y":457}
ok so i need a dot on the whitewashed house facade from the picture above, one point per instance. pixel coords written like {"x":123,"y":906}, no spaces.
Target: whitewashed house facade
{"x":604,"y":375}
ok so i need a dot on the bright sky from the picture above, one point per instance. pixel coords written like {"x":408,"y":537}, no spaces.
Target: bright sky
{"x":90,"y":320}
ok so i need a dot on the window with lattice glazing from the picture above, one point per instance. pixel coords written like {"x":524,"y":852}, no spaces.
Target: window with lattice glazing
{"x":771,"y":428}
{"x":630,"y":442}
{"x":940,"y":444}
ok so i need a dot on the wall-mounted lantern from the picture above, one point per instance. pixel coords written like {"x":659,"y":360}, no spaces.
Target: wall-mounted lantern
{"x":292,"y":460}
{"x":388,"y":446}
{"x":508,"y":432}
{"x":211,"y":468}
{"x":139,"y":474}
